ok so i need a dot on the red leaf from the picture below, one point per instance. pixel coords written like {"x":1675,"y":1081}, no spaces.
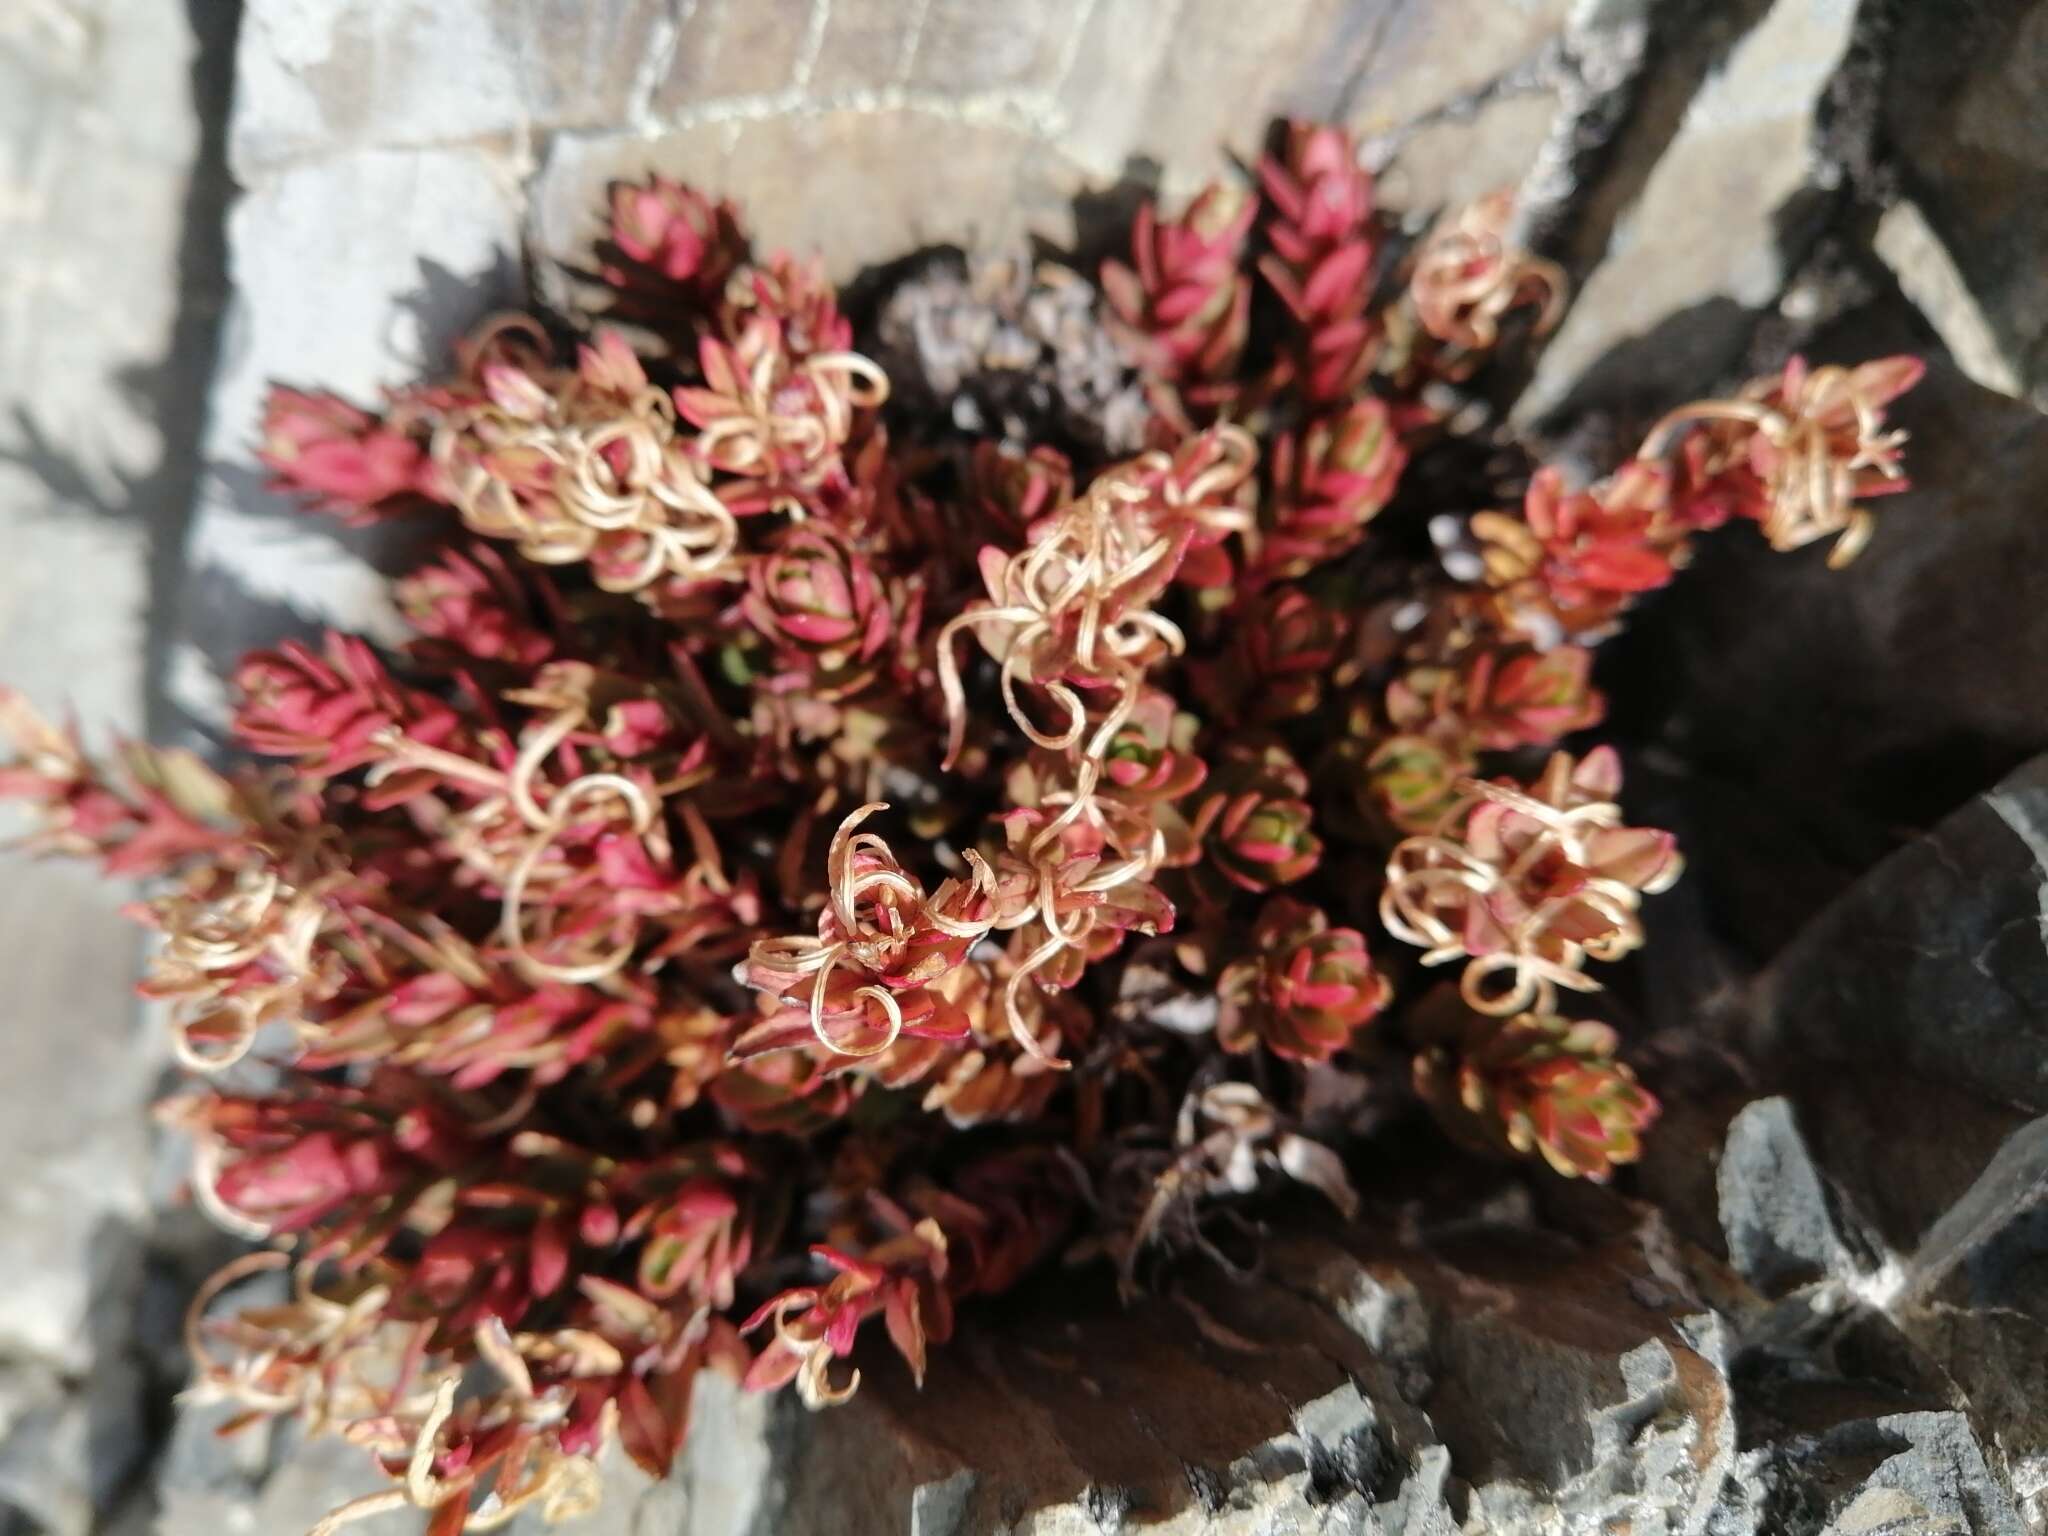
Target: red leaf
{"x":644,"y":1430}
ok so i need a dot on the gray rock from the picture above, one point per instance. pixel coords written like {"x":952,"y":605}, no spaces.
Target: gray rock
{"x":1962,"y":105}
{"x":1919,"y":1473}
{"x":1782,"y":1221}
{"x":1934,"y":964}
{"x":1410,"y":74}
{"x":264,"y":1479}
{"x":1061,"y":99}
{"x":1919,"y":991}
{"x":1350,"y":1389}
{"x":1928,"y":275}
{"x":406,"y":251}
{"x":97,"y":139}
{"x":1459,"y":156}
{"x":1033,"y":109}
{"x":314,"y":81}
{"x":1501,"y":1382}
{"x":915,"y":198}
{"x":1976,"y":1303}
{"x":1711,"y":236}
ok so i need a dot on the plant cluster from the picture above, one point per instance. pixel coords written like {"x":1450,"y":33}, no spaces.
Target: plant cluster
{"x":808,"y":869}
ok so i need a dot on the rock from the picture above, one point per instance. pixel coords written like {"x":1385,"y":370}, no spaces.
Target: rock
{"x":1934,"y":964}
{"x":397,"y":287}
{"x":914,"y":198}
{"x":1460,"y":156}
{"x":69,"y":1445}
{"x":1928,"y":275}
{"x":1058,"y":101}
{"x":1904,"y":1170}
{"x":1033,"y":110}
{"x":1920,"y":989}
{"x":1974,"y":1301}
{"x":1962,"y":107}
{"x":1174,"y":81}
{"x":89,"y":297}
{"x":1804,"y":722}
{"x":313,"y":81}
{"x":1504,"y":1383}
{"x":1717,"y":226}
{"x":1781,"y":1220}
{"x":1996,"y":1356}
{"x":89,"y":310}
{"x":45,"y":1475}
{"x":1907,"y":1472}
{"x":262,"y":1480}
{"x":1409,"y":74}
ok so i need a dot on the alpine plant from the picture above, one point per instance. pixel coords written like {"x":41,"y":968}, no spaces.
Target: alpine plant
{"x":812,"y":867}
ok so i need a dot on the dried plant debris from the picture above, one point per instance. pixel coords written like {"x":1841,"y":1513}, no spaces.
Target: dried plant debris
{"x":1011,"y":349}
{"x":849,"y":833}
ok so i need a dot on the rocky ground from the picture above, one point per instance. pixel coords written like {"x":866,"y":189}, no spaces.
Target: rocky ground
{"x":1821,"y":1306}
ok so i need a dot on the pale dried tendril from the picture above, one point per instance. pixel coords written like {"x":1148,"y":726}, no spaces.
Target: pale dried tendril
{"x":757,"y":434}
{"x":860,"y":866}
{"x":535,"y":1472}
{"x":592,"y":468}
{"x":334,"y":1361}
{"x":210,"y":944}
{"x":1225,"y":1137}
{"x":813,"y":1375}
{"x":1467,"y":277}
{"x":1205,"y":499}
{"x":1810,"y":491}
{"x":1068,"y":611}
{"x":478,"y":833}
{"x":808,"y":1337}
{"x":1059,"y":610}
{"x":1434,"y":875}
{"x":1052,"y":887}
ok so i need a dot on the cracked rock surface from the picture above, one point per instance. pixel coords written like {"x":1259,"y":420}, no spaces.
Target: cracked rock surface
{"x":1820,"y":1306}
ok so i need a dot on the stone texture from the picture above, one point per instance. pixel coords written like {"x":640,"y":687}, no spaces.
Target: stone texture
{"x":1410,"y":74}
{"x":1460,"y":156}
{"x":1485,"y":1379}
{"x":1173,"y":82}
{"x":1805,"y":722}
{"x":88,"y":308}
{"x":1059,"y":98}
{"x":1934,"y":963}
{"x":406,"y":251}
{"x":1777,"y":1214}
{"x":1057,"y":101}
{"x":1332,"y":1394}
{"x":316,"y":79}
{"x":1963,"y":107}
{"x":1929,"y":277}
{"x":1716,"y":228}
{"x":1913,"y":992}
{"x":993,"y":185}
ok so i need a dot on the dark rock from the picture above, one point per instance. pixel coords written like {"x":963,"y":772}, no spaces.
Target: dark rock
{"x":1919,"y":1472}
{"x":1964,"y":114}
{"x":1799,"y":722}
{"x":1934,"y":964}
